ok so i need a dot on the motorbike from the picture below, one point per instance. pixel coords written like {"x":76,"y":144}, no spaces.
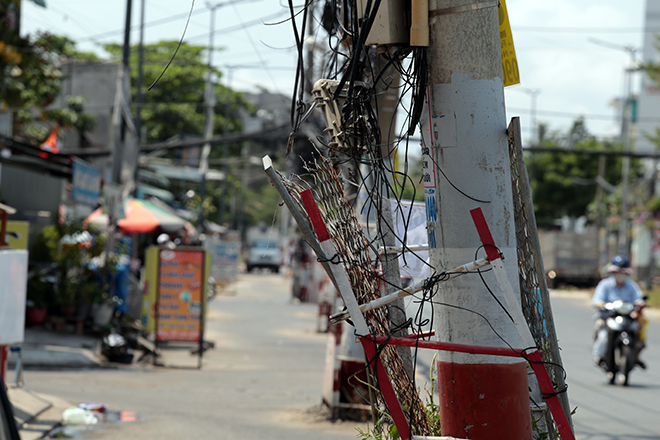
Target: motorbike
{"x":622,"y":339}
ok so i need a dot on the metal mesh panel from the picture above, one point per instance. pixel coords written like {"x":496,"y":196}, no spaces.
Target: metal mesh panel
{"x":533,"y":288}
{"x":353,"y":253}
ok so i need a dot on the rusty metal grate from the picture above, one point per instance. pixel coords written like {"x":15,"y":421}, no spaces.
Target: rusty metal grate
{"x":533,"y":288}
{"x":354,"y":253}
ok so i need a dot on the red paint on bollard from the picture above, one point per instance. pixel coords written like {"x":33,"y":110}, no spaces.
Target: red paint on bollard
{"x":3,"y":362}
{"x":484,"y":401}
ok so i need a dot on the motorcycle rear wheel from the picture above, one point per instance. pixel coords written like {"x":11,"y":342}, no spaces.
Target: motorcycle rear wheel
{"x":624,"y":356}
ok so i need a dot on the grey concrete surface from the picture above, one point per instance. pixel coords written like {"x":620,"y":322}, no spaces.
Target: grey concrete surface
{"x":37,"y":414}
{"x":606,"y":412}
{"x":46,"y":349}
{"x":262,"y":380}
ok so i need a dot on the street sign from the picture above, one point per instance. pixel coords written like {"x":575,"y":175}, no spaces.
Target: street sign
{"x":511,"y":75}
{"x":86,"y":184}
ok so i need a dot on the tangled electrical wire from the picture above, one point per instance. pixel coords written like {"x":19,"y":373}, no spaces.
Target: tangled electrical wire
{"x":362,"y":144}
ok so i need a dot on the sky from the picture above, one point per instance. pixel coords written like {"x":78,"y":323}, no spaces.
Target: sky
{"x":571,"y":54}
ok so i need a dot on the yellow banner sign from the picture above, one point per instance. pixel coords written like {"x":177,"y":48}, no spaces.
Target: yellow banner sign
{"x":17,"y":234}
{"x":510,"y":72}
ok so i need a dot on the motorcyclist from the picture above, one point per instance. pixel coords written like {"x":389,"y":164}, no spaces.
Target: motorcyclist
{"x":618,"y":286}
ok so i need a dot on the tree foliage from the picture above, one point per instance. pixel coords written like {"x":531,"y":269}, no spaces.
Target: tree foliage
{"x":174,"y":106}
{"x":31,"y":79}
{"x":564,"y":183}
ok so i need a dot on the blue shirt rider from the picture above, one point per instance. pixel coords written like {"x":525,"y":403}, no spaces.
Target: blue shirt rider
{"x":618,"y":286}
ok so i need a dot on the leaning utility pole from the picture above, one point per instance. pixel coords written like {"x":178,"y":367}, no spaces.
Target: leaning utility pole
{"x":467,"y":167}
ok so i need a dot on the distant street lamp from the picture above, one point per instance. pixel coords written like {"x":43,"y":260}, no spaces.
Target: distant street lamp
{"x":626,"y":122}
{"x":209,"y":101}
{"x":533,"y":93}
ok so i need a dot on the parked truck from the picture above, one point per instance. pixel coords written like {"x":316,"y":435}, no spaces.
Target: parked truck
{"x":570,"y":257}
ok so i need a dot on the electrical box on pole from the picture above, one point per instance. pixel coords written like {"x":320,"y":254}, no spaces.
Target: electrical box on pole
{"x":392,"y":22}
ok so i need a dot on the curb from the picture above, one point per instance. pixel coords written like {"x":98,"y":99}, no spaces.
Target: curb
{"x":54,"y":357}
{"x":36,"y":414}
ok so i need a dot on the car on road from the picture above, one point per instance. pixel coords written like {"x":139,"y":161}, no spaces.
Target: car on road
{"x":264,"y":253}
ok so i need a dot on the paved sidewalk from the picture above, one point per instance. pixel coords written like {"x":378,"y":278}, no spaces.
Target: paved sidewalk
{"x":53,"y":350}
{"x":37,"y":414}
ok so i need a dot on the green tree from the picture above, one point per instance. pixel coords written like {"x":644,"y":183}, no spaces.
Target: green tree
{"x":408,"y":184}
{"x":30,"y":79}
{"x":564,"y":183}
{"x":649,"y":206}
{"x":175,"y":104}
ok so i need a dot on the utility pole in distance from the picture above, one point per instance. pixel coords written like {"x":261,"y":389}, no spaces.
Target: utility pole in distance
{"x":479,"y":396}
{"x":209,"y":104}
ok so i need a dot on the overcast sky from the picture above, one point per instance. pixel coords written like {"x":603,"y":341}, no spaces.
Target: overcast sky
{"x":573,"y":76}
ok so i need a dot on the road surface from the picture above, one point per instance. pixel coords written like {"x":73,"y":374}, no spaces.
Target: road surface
{"x":262,"y":381}
{"x":606,"y":412}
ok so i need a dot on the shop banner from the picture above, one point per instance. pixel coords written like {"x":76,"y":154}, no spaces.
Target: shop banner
{"x":180,"y":295}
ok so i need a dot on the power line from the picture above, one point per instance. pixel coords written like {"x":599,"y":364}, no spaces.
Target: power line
{"x":261,"y":20}
{"x":593,"y":152}
{"x":254,"y":47}
{"x":583,"y":30}
{"x":560,"y":114}
{"x":147,"y":24}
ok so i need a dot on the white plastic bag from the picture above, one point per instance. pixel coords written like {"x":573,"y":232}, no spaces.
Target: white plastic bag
{"x":79,"y":416}
{"x":600,"y":345}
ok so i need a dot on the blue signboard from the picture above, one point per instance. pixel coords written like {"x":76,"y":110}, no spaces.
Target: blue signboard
{"x":86,"y":184}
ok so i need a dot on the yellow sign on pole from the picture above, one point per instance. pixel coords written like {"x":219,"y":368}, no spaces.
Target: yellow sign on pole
{"x":510,"y":72}
{"x":150,"y":288}
{"x":17,"y":234}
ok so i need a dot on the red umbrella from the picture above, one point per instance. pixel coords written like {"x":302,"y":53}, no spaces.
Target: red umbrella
{"x":141,"y":216}
{"x":139,"y":219}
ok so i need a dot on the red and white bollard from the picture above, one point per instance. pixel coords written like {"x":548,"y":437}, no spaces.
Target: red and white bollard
{"x":3,"y":361}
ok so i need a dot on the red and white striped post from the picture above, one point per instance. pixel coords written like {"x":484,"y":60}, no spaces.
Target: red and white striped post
{"x":467,"y":166}
{"x":3,"y":363}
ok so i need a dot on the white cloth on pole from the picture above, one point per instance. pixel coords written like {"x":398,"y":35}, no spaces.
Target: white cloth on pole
{"x":411,"y":217}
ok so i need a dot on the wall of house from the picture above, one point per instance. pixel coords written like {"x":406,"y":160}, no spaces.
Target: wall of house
{"x":35,"y":196}
{"x":97,"y":83}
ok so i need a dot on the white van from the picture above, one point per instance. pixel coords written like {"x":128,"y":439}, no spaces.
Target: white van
{"x":264,"y":253}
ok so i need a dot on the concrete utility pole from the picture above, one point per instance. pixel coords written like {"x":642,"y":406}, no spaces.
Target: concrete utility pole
{"x":481,"y":397}
{"x":533,"y":94}
{"x":209,"y":103}
{"x":138,"y":85}
{"x":623,"y":244}
{"x":118,"y":152}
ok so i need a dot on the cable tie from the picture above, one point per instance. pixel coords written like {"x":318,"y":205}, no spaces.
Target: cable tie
{"x":332,"y":260}
{"x":556,"y":393}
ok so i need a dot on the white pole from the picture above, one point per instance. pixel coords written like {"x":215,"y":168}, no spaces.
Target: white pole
{"x":468,"y":167}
